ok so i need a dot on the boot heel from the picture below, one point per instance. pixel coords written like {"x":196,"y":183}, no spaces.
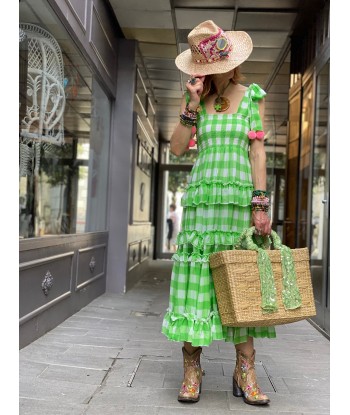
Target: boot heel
{"x":200,"y":388}
{"x":236,"y":390}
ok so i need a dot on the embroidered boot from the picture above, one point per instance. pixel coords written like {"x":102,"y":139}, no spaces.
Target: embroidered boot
{"x":245,"y":382}
{"x":191,"y":385}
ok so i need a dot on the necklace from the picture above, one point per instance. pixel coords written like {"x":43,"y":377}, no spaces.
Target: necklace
{"x":222,"y":103}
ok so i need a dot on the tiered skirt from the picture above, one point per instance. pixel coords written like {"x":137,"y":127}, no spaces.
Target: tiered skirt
{"x":215,"y":212}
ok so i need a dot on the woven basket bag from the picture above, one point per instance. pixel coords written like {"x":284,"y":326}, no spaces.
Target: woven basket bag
{"x":237,"y":284}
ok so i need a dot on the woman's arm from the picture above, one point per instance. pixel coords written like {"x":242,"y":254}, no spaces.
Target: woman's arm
{"x":182,"y":134}
{"x":257,"y":158}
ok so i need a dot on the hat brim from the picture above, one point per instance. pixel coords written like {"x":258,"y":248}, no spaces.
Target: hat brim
{"x":242,"y":47}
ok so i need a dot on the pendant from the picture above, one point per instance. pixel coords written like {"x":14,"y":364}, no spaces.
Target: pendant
{"x":221,"y":104}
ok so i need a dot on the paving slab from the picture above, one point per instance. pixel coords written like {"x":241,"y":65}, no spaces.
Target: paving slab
{"x":55,"y":391}
{"x":149,"y":396}
{"x":82,"y":340}
{"x":46,"y":407}
{"x":73,"y":374}
{"x":120,"y":374}
{"x":121,"y":410}
{"x":33,"y":369}
{"x":286,"y":403}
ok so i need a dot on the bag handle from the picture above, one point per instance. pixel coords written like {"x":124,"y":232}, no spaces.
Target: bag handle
{"x":290,"y":293}
{"x":251,"y":241}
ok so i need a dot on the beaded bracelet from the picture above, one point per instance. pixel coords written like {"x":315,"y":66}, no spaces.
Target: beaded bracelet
{"x":189,"y":115}
{"x":194,"y":112}
{"x":260,"y":208}
{"x":187,"y":122}
{"x":260,"y":201}
{"x":262,"y":204}
{"x":187,"y":118}
{"x":259,"y":193}
{"x":256,"y":208}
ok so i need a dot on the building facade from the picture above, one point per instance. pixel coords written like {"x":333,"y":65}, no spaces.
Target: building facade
{"x":88,"y":156}
{"x":307,"y":203}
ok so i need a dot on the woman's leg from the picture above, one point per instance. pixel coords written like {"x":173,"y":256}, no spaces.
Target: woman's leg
{"x":246,"y":348}
{"x":189,"y":348}
{"x":244,"y":377}
{"x":191,"y":385}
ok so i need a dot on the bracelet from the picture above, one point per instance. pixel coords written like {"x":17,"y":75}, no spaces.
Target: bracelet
{"x":186,"y":117}
{"x":260,"y":201}
{"x":259,"y":193}
{"x":195,"y":112}
{"x":191,"y":115}
{"x":187,"y":122}
{"x":260,"y":208}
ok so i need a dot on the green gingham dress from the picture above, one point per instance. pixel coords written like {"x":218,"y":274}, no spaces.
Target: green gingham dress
{"x":216,"y":209}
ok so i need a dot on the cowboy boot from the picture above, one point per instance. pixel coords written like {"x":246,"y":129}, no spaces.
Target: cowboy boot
{"x":192,"y":383}
{"x":245,"y":382}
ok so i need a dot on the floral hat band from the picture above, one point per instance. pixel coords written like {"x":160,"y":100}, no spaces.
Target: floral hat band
{"x":213,"y":50}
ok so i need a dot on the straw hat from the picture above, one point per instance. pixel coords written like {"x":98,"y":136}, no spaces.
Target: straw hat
{"x":214,"y":51}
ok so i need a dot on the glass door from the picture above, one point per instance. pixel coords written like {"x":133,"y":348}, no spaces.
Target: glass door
{"x":304,"y":165}
{"x":173,"y":178}
{"x":174,"y":183}
{"x":319,"y":244}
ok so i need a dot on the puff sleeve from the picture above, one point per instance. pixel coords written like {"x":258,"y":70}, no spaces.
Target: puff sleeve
{"x":256,"y":94}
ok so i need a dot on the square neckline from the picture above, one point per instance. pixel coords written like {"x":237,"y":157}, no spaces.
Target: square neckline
{"x":204,"y":110}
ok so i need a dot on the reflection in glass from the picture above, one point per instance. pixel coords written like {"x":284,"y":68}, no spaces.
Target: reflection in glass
{"x":67,"y":191}
{"x":304,"y":166}
{"x":175,"y":183}
{"x":189,"y":157}
{"x":319,"y":195}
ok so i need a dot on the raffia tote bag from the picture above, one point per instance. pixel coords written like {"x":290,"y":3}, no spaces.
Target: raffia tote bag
{"x":257,"y":286}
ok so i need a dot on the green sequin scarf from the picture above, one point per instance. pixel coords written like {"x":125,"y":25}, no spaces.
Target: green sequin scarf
{"x":290,"y":293}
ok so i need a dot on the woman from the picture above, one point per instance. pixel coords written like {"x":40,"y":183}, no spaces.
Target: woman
{"x":227,"y":192}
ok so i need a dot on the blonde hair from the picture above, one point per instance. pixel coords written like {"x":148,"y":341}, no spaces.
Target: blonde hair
{"x":209,"y":86}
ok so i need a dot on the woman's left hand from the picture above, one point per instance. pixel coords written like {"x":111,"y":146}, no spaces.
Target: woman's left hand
{"x":262,"y":223}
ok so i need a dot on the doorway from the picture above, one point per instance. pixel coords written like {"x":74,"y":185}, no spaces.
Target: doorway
{"x":173,"y":179}
{"x":319,"y":232}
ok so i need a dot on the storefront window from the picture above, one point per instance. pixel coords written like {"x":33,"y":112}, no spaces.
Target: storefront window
{"x":304,"y":164}
{"x":319,"y":179}
{"x":64,"y":130}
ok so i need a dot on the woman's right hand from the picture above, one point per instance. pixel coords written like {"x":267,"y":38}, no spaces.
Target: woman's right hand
{"x":195,"y":90}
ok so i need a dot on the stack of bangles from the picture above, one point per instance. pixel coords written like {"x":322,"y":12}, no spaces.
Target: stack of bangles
{"x":189,"y":117}
{"x":260,"y":201}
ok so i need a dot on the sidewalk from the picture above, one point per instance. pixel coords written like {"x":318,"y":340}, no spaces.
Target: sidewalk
{"x":110,"y":358}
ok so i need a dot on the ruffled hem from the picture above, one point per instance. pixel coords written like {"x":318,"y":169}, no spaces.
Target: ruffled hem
{"x":217,"y":192}
{"x":193,"y":257}
{"x":201,"y":239}
{"x":203,"y":331}
{"x":189,"y":328}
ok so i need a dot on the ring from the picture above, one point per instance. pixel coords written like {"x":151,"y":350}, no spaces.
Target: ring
{"x":192,"y":80}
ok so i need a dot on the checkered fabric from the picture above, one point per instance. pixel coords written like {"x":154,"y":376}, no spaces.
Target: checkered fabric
{"x":216,"y":209}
